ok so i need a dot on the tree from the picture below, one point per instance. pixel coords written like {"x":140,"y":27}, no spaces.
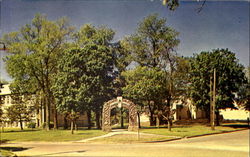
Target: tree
{"x":19,"y":112}
{"x":243,"y":96}
{"x":35,"y":50}
{"x":84,"y":79}
{"x":144,"y":85}
{"x":152,"y":42}
{"x":229,"y":77}
{"x":153,"y":45}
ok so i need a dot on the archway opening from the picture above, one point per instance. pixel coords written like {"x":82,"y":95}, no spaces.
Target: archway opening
{"x":119,"y":118}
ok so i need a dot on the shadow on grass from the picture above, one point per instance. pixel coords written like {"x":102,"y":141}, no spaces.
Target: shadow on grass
{"x":14,"y":149}
{"x":236,"y":125}
{"x":83,"y":133}
{"x":3,"y":141}
{"x":82,"y":128}
{"x":14,"y":131}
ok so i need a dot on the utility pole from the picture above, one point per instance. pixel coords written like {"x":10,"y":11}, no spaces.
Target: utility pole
{"x":212,"y":100}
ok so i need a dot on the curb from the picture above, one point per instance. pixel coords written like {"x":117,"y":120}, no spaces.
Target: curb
{"x":216,"y":133}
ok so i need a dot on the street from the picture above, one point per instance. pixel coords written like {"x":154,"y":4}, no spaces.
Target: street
{"x":235,"y":144}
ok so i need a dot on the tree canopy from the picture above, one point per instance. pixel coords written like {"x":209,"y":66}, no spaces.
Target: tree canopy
{"x":35,"y":49}
{"x":84,"y":79}
{"x":229,"y":77}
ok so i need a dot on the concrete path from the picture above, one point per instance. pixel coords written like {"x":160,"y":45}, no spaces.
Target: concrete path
{"x":234,"y":144}
{"x":121,"y":132}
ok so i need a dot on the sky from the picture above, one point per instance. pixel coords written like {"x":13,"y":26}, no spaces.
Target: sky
{"x":220,"y":24}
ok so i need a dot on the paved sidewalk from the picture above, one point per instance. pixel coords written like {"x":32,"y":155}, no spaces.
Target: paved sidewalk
{"x":121,"y":132}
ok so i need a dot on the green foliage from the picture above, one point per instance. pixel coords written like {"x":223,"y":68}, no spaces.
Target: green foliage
{"x":243,"y":96}
{"x":35,"y":50}
{"x":19,"y":113}
{"x":229,"y":78}
{"x":153,"y":46}
{"x":152,"y":42}
{"x":31,"y":125}
{"x":83,"y":80}
{"x":144,"y":84}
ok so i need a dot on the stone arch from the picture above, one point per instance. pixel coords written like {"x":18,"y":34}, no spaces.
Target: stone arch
{"x":119,"y":102}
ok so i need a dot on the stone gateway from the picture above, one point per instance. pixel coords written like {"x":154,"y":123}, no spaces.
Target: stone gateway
{"x":119,"y":102}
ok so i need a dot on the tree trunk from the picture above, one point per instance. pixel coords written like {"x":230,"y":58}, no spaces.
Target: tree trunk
{"x":72,"y":127}
{"x":97,"y":118}
{"x":55,"y":119}
{"x":217,"y":118}
{"x":21,"y":124}
{"x":65,"y":126}
{"x":76,"y":128}
{"x":89,"y":118}
{"x":47,"y":113}
{"x":152,"y":120}
{"x":139,"y":119}
{"x":122,"y":118}
{"x":169,"y":124}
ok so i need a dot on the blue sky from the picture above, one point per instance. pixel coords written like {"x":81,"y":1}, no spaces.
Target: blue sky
{"x":221,"y":24}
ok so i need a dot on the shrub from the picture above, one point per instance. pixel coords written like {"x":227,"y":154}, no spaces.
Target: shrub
{"x":31,"y":125}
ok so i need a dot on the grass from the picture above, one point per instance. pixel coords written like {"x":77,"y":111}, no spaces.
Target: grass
{"x":131,"y":138}
{"x":188,"y":130}
{"x":6,"y":153}
{"x":12,"y":134}
{"x":162,"y":133}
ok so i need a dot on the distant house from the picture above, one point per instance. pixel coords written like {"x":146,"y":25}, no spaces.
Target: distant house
{"x":39,"y":113}
{"x":188,"y":111}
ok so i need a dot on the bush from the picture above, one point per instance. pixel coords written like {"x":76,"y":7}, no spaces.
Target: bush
{"x":31,"y":125}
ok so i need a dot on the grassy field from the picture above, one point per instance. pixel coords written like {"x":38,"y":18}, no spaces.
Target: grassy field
{"x":153,"y":134}
{"x":12,"y":135}
{"x":162,"y":133}
{"x":128,"y":138}
{"x":189,"y":130}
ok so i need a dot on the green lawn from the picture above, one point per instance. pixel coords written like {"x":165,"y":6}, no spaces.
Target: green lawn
{"x":189,"y":130}
{"x":124,"y":138}
{"x":6,"y":153}
{"x":15,"y":134}
{"x":11,"y":135}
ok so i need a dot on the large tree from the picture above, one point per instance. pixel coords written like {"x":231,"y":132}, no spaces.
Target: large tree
{"x":84,"y":80}
{"x":144,"y":85}
{"x":230,"y":77}
{"x":154,"y":45}
{"x":35,"y":50}
{"x":243,"y":96}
